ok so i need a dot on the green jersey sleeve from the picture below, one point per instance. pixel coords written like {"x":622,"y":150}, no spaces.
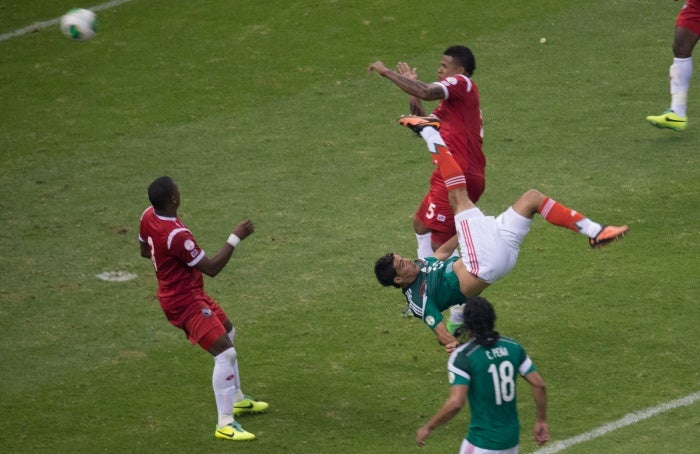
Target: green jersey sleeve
{"x":435,"y":289}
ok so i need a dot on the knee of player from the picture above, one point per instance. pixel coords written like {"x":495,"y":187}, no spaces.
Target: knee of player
{"x":534,"y":194}
{"x":228,"y":355}
{"x":533,"y":197}
{"x":682,"y":49}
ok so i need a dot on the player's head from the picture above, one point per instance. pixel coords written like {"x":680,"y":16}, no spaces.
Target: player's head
{"x":479,"y":320}
{"x":385,"y":271}
{"x":397,"y":271}
{"x":462,"y":56}
{"x":163,"y":191}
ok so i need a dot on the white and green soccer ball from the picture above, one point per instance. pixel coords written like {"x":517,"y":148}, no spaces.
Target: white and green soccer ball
{"x":79,"y":24}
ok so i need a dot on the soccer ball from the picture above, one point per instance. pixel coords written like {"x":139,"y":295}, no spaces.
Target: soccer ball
{"x":79,"y":24}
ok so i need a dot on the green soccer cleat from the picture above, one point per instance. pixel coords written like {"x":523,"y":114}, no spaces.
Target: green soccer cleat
{"x":233,"y":432}
{"x":668,"y":120}
{"x":248,"y":406}
{"x":452,"y":326}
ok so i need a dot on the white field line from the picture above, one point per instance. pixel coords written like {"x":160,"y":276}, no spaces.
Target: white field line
{"x":628,"y":419}
{"x":49,"y":23}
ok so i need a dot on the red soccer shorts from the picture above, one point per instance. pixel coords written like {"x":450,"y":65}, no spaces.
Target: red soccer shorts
{"x":689,"y":17}
{"x":204,"y":323}
{"x":435,"y":211}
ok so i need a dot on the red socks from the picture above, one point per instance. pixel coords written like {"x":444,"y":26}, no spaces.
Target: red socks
{"x":451,"y":172}
{"x":557,"y":214}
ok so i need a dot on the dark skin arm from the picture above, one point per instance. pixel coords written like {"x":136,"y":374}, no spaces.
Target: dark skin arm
{"x":145,"y":251}
{"x":212,"y":266}
{"x":413,"y":87}
{"x":415,"y":104}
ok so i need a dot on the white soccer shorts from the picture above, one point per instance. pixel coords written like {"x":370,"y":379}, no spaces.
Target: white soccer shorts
{"x":468,"y":448}
{"x":489,"y":245}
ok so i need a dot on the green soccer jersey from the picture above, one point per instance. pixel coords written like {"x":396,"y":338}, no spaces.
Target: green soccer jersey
{"x":490,"y":374}
{"x":435,"y":289}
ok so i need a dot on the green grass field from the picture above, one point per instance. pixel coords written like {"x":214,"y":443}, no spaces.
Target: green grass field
{"x":265,"y":110}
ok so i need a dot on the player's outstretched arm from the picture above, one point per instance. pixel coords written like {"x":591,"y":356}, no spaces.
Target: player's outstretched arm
{"x":426,"y":92}
{"x":212,"y":266}
{"x":452,"y":406}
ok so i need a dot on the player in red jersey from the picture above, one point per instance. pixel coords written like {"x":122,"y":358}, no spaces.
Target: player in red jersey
{"x":459,"y":112}
{"x":685,"y":38}
{"x":179,"y":263}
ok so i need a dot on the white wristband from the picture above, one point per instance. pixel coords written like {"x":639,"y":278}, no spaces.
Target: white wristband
{"x":233,"y":240}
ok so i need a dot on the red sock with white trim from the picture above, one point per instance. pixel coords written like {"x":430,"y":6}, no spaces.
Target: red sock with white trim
{"x":451,"y":172}
{"x":557,"y":214}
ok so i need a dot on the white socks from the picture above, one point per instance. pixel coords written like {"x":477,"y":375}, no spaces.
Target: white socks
{"x":236,"y":377}
{"x":432,"y":138}
{"x":589,"y":228}
{"x":223,"y":382}
{"x":679,"y":73}
{"x":425,"y":245}
{"x":457,"y":314}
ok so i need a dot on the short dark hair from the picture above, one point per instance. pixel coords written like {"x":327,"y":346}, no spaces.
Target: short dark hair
{"x":385,"y":271}
{"x":464,"y":57}
{"x":159,"y":191}
{"x":480,"y":319}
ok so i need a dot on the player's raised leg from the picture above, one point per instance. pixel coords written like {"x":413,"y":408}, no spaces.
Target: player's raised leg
{"x":527,"y":205}
{"x":451,"y":172}
{"x":534,"y":201}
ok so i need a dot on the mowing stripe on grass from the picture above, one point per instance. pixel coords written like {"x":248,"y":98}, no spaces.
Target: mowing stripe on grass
{"x":629,"y":419}
{"x":39,"y":25}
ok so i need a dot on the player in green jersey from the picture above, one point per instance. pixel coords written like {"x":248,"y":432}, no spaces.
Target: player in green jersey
{"x":431,"y":286}
{"x":483,"y":370}
{"x":489,"y":246}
